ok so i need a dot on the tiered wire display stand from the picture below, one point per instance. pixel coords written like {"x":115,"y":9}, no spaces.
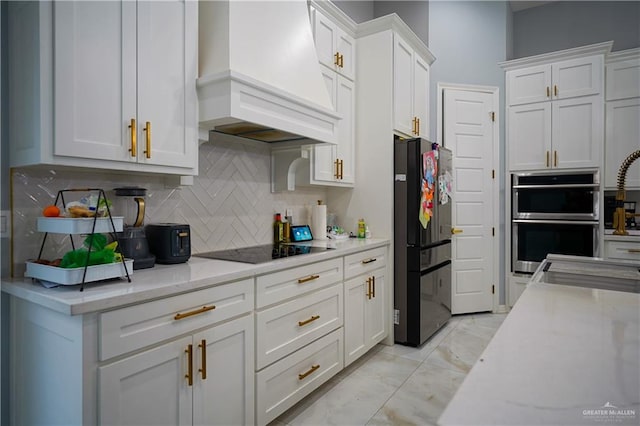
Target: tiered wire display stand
{"x":80,"y":226}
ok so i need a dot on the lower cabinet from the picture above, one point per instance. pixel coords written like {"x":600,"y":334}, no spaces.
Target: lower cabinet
{"x":364,"y":322}
{"x":626,"y":250}
{"x":205,"y":378}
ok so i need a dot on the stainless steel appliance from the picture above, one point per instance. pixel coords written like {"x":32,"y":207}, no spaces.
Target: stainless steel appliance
{"x":422,"y":256}
{"x":553,"y":213}
{"x":262,"y":253}
{"x":169,"y":242}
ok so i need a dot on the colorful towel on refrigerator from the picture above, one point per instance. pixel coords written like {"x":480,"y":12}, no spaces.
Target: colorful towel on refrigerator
{"x":429,"y":167}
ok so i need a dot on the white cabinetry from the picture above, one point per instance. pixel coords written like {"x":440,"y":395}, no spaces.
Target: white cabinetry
{"x":410,"y":90}
{"x":555,"y":113}
{"x":299,"y":320}
{"x":365,"y":300}
{"x":116,"y":85}
{"x":622,"y":128}
{"x":336,"y":48}
{"x":627,"y":250}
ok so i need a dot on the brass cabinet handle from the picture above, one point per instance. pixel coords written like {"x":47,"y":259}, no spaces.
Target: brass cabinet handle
{"x":456,"y":231}
{"x":307,"y":321}
{"x":633,"y":250}
{"x":147,"y":132}
{"x":370,"y":260}
{"x":307,"y":279}
{"x":180,"y":316}
{"x":373,"y":286}
{"x":306,"y":373}
{"x":548,"y":92}
{"x":341,"y":61}
{"x":203,"y":351}
{"x":417,"y":126}
{"x":336,"y":60}
{"x":341,"y":169}
{"x":555,"y":158}
{"x":555,"y":90}
{"x":189,"y":375}
{"x":547,"y":158}
{"x":134,"y":144}
{"x":337,"y":164}
{"x":368,"y":288}
{"x":413,"y":123}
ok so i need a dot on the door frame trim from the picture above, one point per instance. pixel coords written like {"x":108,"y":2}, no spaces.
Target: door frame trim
{"x":498,"y":242}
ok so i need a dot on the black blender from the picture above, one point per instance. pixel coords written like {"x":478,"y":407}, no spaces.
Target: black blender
{"x":132,"y":240}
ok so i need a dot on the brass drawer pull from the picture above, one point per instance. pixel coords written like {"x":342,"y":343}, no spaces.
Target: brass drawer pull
{"x":147,"y":132}
{"x":306,"y":373}
{"x":180,"y":316}
{"x":336,"y":60}
{"x":547,"y":158}
{"x":548,"y":92}
{"x":368,"y":288}
{"x":203,"y":350}
{"x":555,"y":90}
{"x":555,"y":158}
{"x":134,"y":143}
{"x":373,"y":285}
{"x":307,"y":321}
{"x":370,"y":260}
{"x":189,"y":375}
{"x":307,"y":279}
{"x":633,"y":250}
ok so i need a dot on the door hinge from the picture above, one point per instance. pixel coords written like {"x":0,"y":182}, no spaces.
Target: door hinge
{"x":493,"y":231}
{"x":493,"y":289}
{"x":493,"y":116}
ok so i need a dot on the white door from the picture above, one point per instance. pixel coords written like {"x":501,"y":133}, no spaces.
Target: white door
{"x":149,"y":388}
{"x":468,"y":132}
{"x":355,"y":339}
{"x":223,"y":392}
{"x":577,"y":132}
{"x":167,"y":71}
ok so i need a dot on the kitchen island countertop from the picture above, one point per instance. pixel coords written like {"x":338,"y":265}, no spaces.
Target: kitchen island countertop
{"x":565,"y":355}
{"x":168,"y":280}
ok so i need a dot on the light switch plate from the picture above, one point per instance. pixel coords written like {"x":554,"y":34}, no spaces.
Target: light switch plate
{"x":5,"y":224}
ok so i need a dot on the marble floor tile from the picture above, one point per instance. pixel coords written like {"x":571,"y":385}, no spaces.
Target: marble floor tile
{"x":399,"y":385}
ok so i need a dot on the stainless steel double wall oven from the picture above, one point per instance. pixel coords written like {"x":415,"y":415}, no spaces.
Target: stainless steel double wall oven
{"x":554,"y":212}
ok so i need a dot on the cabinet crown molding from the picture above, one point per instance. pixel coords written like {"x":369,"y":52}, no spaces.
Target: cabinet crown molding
{"x":622,"y":55}
{"x":560,"y":55}
{"x":394,"y":23}
{"x":337,"y":15}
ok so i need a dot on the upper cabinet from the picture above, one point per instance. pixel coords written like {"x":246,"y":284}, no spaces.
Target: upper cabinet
{"x":622,"y":127}
{"x":410,"y":90}
{"x":336,"y":48}
{"x":116,"y":85}
{"x":561,"y":80}
{"x":555,"y":111}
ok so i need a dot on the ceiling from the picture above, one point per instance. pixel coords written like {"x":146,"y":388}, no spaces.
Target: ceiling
{"x":518,"y":5}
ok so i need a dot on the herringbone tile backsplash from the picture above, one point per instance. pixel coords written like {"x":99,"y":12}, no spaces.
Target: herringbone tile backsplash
{"x":229,"y":205}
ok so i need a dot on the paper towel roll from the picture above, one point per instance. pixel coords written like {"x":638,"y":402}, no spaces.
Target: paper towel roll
{"x":319,"y":222}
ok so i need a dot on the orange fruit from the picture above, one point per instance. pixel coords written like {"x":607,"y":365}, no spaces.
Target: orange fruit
{"x":51,"y":211}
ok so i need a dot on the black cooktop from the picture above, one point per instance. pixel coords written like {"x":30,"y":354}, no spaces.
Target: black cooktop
{"x":261,"y":254}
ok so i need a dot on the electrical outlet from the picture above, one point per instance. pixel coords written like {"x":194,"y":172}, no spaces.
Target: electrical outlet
{"x":396,"y":317}
{"x":288,"y":212}
{"x":5,"y":224}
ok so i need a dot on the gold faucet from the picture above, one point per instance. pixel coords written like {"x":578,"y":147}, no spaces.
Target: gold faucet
{"x":620,"y":215}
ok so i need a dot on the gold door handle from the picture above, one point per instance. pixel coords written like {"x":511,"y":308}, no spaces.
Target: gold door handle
{"x":413,"y":124}
{"x":370,"y":260}
{"x":307,"y":321}
{"x":180,"y":316}
{"x":189,"y":375}
{"x":134,"y":143}
{"x":417,"y":126}
{"x":203,"y":351}
{"x":341,"y":169}
{"x":306,"y":373}
{"x":147,"y":132}
{"x":341,"y":61}
{"x":548,"y":92}
{"x":368,"y":288}
{"x":555,"y":158}
{"x":373,"y":286}
{"x":307,"y":279}
{"x":555,"y":90}
{"x":633,"y":250}
{"x":547,"y":158}
{"x":456,"y":231}
{"x":337,"y":164}
{"x":336,"y":60}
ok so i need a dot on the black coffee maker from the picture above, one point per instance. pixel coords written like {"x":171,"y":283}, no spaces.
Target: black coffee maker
{"x":130,"y":203}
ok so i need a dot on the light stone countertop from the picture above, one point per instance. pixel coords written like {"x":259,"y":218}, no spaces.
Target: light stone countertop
{"x":565,"y":355}
{"x":168,"y":280}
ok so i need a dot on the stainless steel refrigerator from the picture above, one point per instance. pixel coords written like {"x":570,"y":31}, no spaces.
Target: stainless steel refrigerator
{"x":422,"y":255}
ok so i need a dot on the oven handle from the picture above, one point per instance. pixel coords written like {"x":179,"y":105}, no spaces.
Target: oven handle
{"x":557,"y":222}
{"x":568,"y":185}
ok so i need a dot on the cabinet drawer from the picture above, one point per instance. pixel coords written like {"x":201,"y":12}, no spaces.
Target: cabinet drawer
{"x":286,"y":382}
{"x":622,"y":250}
{"x":291,"y":325}
{"x":280,"y":286}
{"x":366,"y":261}
{"x":124,"y":330}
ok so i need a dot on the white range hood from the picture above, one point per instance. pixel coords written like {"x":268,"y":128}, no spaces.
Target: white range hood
{"x":259,"y":73}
